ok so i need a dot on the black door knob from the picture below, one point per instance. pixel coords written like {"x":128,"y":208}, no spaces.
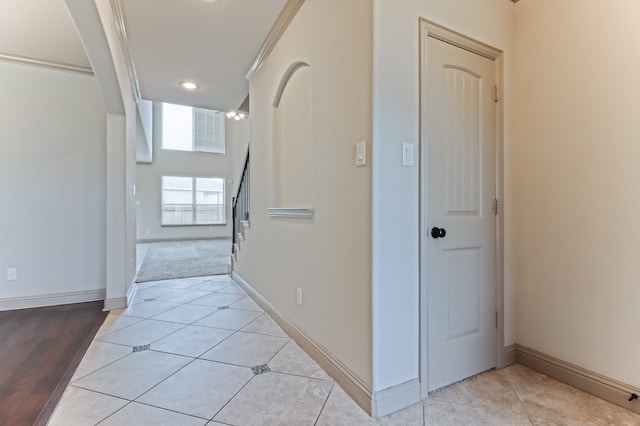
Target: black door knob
{"x":438,"y":232}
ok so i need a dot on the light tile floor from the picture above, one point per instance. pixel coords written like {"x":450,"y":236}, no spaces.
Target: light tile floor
{"x":193,"y":352}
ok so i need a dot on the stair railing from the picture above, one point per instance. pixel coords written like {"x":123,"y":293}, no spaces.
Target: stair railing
{"x":240,"y":205}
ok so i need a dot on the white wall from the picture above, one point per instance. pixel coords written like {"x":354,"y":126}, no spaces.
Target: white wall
{"x":121,"y":144}
{"x":395,"y":286}
{"x":52,"y":181}
{"x":578,"y":203}
{"x":328,"y":257}
{"x":144,"y":130}
{"x":179,"y":163}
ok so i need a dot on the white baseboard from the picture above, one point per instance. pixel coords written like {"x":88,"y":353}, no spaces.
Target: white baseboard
{"x":131,"y":291}
{"x":121,"y":302}
{"x":352,"y":384}
{"x":596,"y":384}
{"x":115,"y":303}
{"x":510,"y":355}
{"x":51,"y":299}
{"x":395,"y":398}
{"x":381,"y":403}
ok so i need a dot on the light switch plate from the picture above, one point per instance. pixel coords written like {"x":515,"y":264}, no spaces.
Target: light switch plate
{"x":361,"y":154}
{"x":12,"y":274}
{"x":407,"y":154}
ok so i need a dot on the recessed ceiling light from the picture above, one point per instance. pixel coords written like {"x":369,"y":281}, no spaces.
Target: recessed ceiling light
{"x":189,"y":85}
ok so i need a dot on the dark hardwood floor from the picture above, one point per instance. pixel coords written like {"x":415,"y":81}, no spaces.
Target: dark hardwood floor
{"x":39,"y":352}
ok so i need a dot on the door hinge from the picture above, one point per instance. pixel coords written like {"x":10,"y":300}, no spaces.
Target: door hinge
{"x":495,"y":88}
{"x":496,"y":319}
{"x":495,"y":206}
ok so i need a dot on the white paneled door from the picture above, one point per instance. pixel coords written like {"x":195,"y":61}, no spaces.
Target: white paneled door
{"x":460,"y":231}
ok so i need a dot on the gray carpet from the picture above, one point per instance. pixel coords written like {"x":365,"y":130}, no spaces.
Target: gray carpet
{"x":183,"y":259}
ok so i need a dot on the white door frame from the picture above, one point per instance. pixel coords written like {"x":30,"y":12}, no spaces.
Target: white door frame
{"x":428,"y":28}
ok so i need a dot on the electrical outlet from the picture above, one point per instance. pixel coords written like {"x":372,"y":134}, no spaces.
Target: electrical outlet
{"x":12,"y":274}
{"x":299,"y":296}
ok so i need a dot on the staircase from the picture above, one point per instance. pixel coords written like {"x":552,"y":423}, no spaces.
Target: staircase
{"x":240,"y":211}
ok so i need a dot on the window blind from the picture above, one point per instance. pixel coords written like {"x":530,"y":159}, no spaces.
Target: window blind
{"x":209,"y":131}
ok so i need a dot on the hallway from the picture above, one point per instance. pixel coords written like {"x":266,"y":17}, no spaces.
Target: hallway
{"x":199,"y":351}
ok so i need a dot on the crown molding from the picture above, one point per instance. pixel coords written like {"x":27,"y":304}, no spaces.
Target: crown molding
{"x":44,"y":63}
{"x":118,"y":13}
{"x":282,"y":23}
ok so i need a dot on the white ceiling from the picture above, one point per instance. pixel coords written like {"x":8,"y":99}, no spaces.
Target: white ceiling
{"x":212,"y":42}
{"x":40,"y":29}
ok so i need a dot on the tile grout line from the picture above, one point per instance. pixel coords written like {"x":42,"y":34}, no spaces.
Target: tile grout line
{"x":163,"y":380}
{"x":522,"y":403}
{"x":101,"y":393}
{"x":104,"y":366}
{"x":192,"y":361}
{"x":154,"y":341}
{"x":333,"y":386}
{"x":180,"y":369}
{"x":231,"y":399}
{"x":113,"y":362}
{"x":169,"y":409}
{"x":96,"y":337}
{"x":183,"y":325}
{"x":119,"y":409}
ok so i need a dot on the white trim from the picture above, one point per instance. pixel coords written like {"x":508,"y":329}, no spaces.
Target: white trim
{"x":122,"y":302}
{"x":510,"y":355}
{"x":395,"y":398}
{"x":460,"y":40}
{"x":44,"y":63}
{"x":132,"y":289}
{"x":52,"y":299}
{"x":115,"y":303}
{"x":601,"y":386}
{"x":349,"y":381}
{"x":499,"y":117}
{"x":282,"y":22}
{"x":291,"y":213}
{"x":430,"y":29}
{"x":285,"y":80}
{"x":118,"y":14}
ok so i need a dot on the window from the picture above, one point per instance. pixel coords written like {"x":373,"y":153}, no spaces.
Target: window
{"x":192,"y":129}
{"x":193,"y":201}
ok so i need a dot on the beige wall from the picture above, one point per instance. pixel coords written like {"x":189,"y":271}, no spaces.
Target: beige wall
{"x":396,"y":189}
{"x":328,"y":257}
{"x":52,"y":181}
{"x":578,"y":202}
{"x":182,"y":163}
